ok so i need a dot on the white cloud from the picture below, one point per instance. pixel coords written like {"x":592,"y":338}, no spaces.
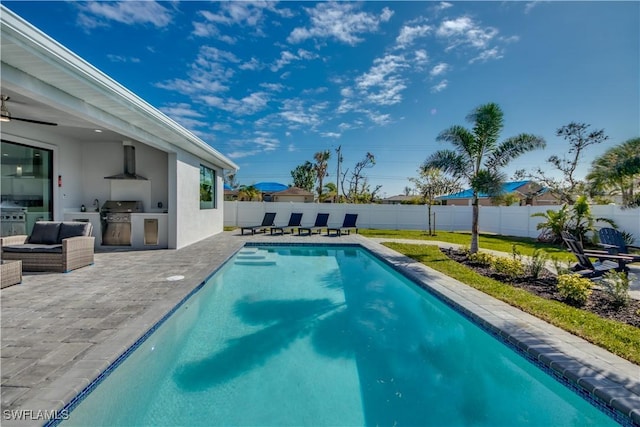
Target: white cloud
{"x":383,"y":84}
{"x":440,"y":86}
{"x":120,"y":58}
{"x":295,"y":112}
{"x":487,"y":55}
{"x":439,"y":69}
{"x":421,"y":58}
{"x":252,"y":64}
{"x":442,"y":6}
{"x":408,"y":34}
{"x":464,"y":31}
{"x":274,"y":87}
{"x":330,"y":135}
{"x":98,"y":14}
{"x":248,"y":105}
{"x":339,"y":21}
{"x":287,"y":57}
{"x":262,"y":142}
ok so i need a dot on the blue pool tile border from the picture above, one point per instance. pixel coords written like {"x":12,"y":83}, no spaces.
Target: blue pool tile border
{"x":503,"y":336}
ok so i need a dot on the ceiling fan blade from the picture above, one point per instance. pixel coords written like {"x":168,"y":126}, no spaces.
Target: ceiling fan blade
{"x":34,"y":121}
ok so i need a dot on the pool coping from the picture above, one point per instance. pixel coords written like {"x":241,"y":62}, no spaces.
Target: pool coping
{"x":607,"y":377}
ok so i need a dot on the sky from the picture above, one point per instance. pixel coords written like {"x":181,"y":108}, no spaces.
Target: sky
{"x":268,"y":84}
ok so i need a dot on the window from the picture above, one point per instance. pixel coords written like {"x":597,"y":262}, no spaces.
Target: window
{"x":207,"y":188}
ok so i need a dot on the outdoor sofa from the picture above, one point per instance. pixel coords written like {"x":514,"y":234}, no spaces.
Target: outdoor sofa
{"x":58,"y":246}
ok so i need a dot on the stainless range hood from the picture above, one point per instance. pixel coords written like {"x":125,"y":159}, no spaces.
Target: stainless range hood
{"x":129,"y":164}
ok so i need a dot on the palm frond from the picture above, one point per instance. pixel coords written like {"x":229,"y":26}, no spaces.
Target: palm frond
{"x":488,"y":181}
{"x":488,"y":123}
{"x":513,"y":147}
{"x":450,"y":162}
{"x":461,"y":138}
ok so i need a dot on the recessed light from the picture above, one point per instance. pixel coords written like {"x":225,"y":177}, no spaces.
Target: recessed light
{"x":97,"y":131}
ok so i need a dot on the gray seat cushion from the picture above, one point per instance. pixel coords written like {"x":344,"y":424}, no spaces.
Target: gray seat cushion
{"x":33,"y":248}
{"x":73,"y":229}
{"x":45,"y":233}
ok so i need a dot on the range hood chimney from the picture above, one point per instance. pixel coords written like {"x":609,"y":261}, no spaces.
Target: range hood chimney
{"x":129,"y":164}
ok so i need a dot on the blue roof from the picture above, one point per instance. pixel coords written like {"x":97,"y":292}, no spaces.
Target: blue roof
{"x":270,"y":187}
{"x":227,"y":187}
{"x":507,"y":187}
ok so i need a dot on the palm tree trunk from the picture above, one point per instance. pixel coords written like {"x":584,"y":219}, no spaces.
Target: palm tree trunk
{"x":474,"y":224}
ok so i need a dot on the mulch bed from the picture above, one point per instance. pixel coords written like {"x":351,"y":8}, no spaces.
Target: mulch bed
{"x":599,"y":301}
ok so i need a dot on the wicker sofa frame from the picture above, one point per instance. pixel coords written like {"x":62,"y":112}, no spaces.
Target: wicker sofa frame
{"x":76,"y":252}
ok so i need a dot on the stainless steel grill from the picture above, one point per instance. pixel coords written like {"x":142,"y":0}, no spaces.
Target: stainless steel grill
{"x":13,"y":219}
{"x":116,"y":221}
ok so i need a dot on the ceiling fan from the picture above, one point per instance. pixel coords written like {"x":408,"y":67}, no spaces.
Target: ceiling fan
{"x":5,"y":115}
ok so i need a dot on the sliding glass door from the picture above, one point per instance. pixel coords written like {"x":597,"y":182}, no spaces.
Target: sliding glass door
{"x":26,"y":179}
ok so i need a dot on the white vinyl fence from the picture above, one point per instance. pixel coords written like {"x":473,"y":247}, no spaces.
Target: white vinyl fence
{"x":504,"y":220}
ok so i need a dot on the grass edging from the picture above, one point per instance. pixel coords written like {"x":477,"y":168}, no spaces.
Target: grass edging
{"x":618,"y":338}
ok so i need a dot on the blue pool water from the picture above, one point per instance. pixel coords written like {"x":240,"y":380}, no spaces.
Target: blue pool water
{"x":324,"y":336}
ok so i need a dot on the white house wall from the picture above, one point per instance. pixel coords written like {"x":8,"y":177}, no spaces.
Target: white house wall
{"x":193,"y":223}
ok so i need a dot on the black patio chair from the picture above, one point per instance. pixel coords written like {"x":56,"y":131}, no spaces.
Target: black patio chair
{"x":321,"y":222}
{"x":606,"y":261}
{"x":267,"y":222}
{"x":294,"y":222}
{"x":348,"y":224}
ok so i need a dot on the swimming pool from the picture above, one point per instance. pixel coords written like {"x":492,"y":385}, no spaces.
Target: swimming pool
{"x":324,"y":336}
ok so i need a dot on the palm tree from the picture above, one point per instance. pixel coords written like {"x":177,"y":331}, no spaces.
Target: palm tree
{"x":332,"y":192}
{"x":478,"y":156}
{"x":248,"y":193}
{"x":322,"y":159}
{"x":618,"y":171}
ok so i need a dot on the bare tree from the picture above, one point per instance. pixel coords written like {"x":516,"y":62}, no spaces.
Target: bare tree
{"x":358,"y":189}
{"x":431,"y":184}
{"x":322,"y":163}
{"x":569,"y":186}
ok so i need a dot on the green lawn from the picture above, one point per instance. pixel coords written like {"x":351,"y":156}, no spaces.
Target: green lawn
{"x":616,"y":337}
{"x":525,"y":245}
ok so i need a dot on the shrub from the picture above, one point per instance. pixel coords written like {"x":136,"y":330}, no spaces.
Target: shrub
{"x":482,"y":258}
{"x":574,"y":288}
{"x":616,"y":284}
{"x":536,"y":263}
{"x":560,"y":266}
{"x":510,"y":267}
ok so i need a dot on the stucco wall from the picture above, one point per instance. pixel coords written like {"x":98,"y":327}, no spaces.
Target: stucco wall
{"x":193,"y":223}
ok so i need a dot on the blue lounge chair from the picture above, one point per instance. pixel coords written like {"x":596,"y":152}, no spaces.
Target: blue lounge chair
{"x":321,"y":222}
{"x":294,"y":222}
{"x":613,"y":241}
{"x":267,"y":222}
{"x":348,"y":224}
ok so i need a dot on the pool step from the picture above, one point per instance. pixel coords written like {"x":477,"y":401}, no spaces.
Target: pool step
{"x":254,"y":257}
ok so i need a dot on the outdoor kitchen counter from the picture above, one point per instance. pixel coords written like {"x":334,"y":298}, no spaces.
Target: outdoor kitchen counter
{"x":143,"y":228}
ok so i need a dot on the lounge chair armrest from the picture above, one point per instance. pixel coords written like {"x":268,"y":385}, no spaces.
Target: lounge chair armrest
{"x":13,"y":240}
{"x":607,"y":246}
{"x":591,"y":251}
{"x":79,"y":243}
{"x":608,"y":256}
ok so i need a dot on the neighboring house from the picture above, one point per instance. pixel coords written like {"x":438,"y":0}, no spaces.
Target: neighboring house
{"x":50,"y":172}
{"x":399,"y":199}
{"x":268,"y":189}
{"x":293,"y":194}
{"x":528,"y":193}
